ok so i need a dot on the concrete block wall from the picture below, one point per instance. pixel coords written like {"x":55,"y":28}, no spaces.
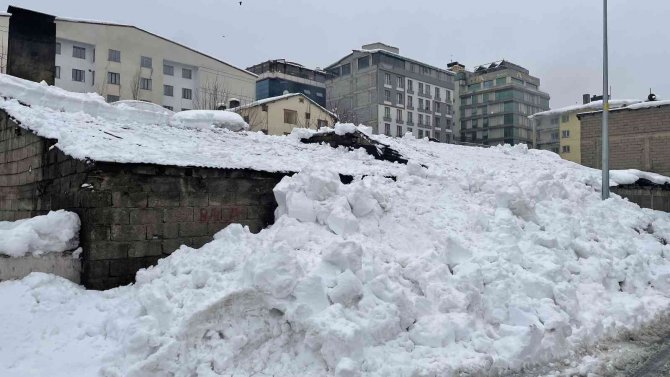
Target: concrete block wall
{"x":638,"y":139}
{"x":654,"y":197}
{"x":131,"y":214}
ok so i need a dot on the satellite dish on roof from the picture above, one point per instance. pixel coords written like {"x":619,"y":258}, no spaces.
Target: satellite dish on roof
{"x":651,"y":97}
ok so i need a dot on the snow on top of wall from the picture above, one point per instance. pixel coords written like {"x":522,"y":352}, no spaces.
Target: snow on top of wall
{"x":648,"y":104}
{"x":142,"y":105}
{"x":52,"y":233}
{"x":207,"y":119}
{"x":630,"y":176}
{"x":595,"y":105}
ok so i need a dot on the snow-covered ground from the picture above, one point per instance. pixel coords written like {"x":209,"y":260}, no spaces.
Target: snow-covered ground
{"x":486,"y":261}
{"x":55,"y":232}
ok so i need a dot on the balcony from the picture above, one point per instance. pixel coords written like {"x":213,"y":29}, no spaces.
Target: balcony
{"x":410,"y":91}
{"x":410,"y":107}
{"x":387,"y":119}
{"x":399,"y":121}
{"x":410,"y":123}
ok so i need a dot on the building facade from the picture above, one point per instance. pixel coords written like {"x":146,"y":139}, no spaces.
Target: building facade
{"x":394,"y":95}
{"x":495,"y":101}
{"x":639,"y":136}
{"x":280,"y":115}
{"x":279,"y":77}
{"x":559,"y":130}
{"x":122,"y":62}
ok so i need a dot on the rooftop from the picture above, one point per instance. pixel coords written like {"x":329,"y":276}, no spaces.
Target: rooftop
{"x":595,"y":105}
{"x":279,"y":98}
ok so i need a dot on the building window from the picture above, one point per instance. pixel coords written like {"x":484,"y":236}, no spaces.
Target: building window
{"x":420,"y":134}
{"x":346,"y":69}
{"x":114,"y":56}
{"x":427,"y":105}
{"x":554,"y":121}
{"x":308,"y":116}
{"x":145,"y":84}
{"x":57,"y":72}
{"x":186,"y":73}
{"x":168,"y":107}
{"x":387,"y":79}
{"x":420,"y":119}
{"x":401,"y":82}
{"x":437,"y":107}
{"x":427,"y":89}
{"x":387,"y":129}
{"x":488,"y":84}
{"x":78,"y":52}
{"x":290,"y":116}
{"x":565,"y":134}
{"x":501,"y":81}
{"x":186,"y":93}
{"x":168,"y":90}
{"x":400,"y":99}
{"x":363,"y":62}
{"x":409,"y":118}
{"x":427,"y":124}
{"x":565,"y":118}
{"x":565,"y":149}
{"x":78,"y":75}
{"x":113,"y":78}
{"x":409,"y":101}
{"x":168,"y":70}
{"x":387,"y":95}
{"x":111,"y":98}
{"x":398,"y":115}
{"x":437,"y":121}
{"x":145,"y":62}
{"x":437,"y":93}
{"x":398,"y":131}
{"x":319,"y":94}
{"x":420,"y":103}
{"x":410,"y":85}
{"x":321,"y":123}
{"x":387,"y":113}
{"x":420,"y":88}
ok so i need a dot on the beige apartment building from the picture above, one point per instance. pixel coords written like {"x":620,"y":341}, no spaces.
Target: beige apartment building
{"x":280,"y":115}
{"x":122,"y":62}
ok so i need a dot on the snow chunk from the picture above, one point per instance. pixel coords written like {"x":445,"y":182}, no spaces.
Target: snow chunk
{"x":52,"y":233}
{"x":205,"y":119}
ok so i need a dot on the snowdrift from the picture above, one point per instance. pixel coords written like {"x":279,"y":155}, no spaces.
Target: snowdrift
{"x":485,"y":261}
{"x":55,"y":232}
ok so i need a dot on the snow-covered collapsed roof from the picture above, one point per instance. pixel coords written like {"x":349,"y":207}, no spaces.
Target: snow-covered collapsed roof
{"x":87,"y":127}
{"x":595,"y":105}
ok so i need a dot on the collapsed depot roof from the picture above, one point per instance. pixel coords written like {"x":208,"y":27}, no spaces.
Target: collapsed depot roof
{"x":86,"y":127}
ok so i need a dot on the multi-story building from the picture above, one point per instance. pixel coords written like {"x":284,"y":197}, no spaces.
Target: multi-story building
{"x":125,"y":62}
{"x":559,"y":130}
{"x":279,"y":77}
{"x":495,"y":101}
{"x":393,"y":94}
{"x":4,"y":30}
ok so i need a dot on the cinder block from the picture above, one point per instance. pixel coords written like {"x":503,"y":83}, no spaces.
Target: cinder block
{"x":165,"y":199}
{"x":170,"y":246}
{"x":162,"y":231}
{"x":96,"y":268}
{"x":91,"y":199}
{"x":123,"y":199}
{"x":146,"y":216}
{"x":178,"y":215}
{"x":129,"y":232}
{"x":145,"y":249}
{"x":119,"y":216}
{"x":194,"y":199}
{"x":107,"y":250}
{"x":192,"y":229}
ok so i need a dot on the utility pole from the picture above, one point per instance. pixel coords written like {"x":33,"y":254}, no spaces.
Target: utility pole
{"x":605,"y":128}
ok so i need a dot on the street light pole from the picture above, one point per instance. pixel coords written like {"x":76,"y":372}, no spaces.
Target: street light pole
{"x":605,"y":129}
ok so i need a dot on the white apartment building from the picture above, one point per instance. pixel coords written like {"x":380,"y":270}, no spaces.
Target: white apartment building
{"x":123,"y":62}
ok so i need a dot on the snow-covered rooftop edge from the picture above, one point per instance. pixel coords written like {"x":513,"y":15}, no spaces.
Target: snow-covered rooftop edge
{"x":595,"y":105}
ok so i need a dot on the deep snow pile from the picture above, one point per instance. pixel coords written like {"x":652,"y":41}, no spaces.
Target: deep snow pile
{"x":487,"y":260}
{"x":55,"y":232}
{"x":205,"y":119}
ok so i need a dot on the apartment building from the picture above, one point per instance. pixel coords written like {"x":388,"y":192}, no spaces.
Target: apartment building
{"x":121,"y":61}
{"x":494,"y":103}
{"x":393,"y":94}
{"x":280,"y":115}
{"x":4,"y":30}
{"x":280,"y":77}
{"x":559,"y":130}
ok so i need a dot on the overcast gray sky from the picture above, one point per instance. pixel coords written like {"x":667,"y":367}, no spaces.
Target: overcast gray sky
{"x":558,"y":41}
